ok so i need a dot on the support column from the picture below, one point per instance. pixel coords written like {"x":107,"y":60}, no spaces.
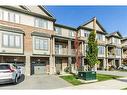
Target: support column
{"x":104,"y":64}
{"x":52,"y":65}
{"x":83,"y":52}
{"x":69,"y":53}
{"x":28,"y":66}
{"x":52,"y":57}
{"x":107,"y":64}
{"x":120,"y":61}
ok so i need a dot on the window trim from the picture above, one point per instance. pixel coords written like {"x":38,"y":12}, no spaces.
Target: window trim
{"x":58,"y":32}
{"x":39,"y":43}
{"x":40,"y":20}
{"x":8,"y":46}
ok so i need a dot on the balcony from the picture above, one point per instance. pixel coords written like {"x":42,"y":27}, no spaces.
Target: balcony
{"x":111,"y":55}
{"x":73,"y":52}
{"x":62,"y":51}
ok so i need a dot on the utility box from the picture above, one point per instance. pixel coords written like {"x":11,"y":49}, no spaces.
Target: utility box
{"x":87,"y":75}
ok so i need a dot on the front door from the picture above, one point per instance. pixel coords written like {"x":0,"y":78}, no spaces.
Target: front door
{"x":58,"y":64}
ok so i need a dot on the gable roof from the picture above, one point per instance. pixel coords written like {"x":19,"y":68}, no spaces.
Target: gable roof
{"x":90,"y":21}
{"x":39,"y":11}
{"x":115,"y":34}
{"x":65,"y":26}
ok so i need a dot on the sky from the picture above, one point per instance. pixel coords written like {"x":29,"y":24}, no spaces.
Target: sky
{"x":112,"y":18}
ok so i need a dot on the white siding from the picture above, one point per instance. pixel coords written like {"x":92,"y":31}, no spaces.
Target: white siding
{"x":23,"y":18}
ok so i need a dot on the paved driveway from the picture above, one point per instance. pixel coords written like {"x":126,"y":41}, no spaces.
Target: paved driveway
{"x":38,"y":82}
{"x":117,"y":73}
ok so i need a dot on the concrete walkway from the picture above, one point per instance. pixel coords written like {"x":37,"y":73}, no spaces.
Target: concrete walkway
{"x":109,"y":85}
{"x":116,"y":73}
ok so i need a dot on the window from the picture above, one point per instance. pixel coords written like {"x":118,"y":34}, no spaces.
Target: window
{"x":41,"y":23}
{"x":17,"y":41}
{"x":86,"y":34}
{"x":1,"y":15}
{"x":5,"y":40}
{"x":17,"y":18}
{"x":58,"y":49}
{"x":11,"y":17}
{"x":116,"y":41}
{"x":11,"y":41}
{"x":100,"y":37}
{"x":118,"y":51}
{"x":100,"y":49}
{"x":58,"y":31}
{"x":5,"y":16}
{"x":41,"y":44}
{"x":71,"y":33}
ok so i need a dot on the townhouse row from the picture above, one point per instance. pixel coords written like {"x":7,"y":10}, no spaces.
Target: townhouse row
{"x":30,"y":38}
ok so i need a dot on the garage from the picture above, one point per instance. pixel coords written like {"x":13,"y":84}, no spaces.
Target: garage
{"x":39,"y":66}
{"x":18,"y":60}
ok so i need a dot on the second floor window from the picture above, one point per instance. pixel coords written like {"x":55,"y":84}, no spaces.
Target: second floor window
{"x":41,"y":23}
{"x":101,"y":50}
{"x":100,"y":37}
{"x":86,"y":34}
{"x":58,"y":31}
{"x":116,"y":41}
{"x":9,"y":16}
{"x":118,"y":51}
{"x":11,"y":41}
{"x":71,"y":33}
{"x":41,"y":44}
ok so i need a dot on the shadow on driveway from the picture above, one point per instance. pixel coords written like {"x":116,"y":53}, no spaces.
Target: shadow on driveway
{"x":21,"y":79}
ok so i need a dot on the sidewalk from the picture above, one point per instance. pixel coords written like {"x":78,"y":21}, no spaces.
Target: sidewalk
{"x":116,"y":73}
{"x":109,"y":84}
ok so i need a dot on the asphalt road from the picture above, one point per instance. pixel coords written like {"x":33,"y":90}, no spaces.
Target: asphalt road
{"x":37,"y":82}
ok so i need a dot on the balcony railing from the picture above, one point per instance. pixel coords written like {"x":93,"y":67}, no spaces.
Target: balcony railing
{"x":73,"y":52}
{"x":111,"y":55}
{"x":61,"y":51}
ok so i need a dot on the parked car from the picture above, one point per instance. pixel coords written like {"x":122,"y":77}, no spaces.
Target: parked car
{"x":9,"y":73}
{"x":122,"y":67}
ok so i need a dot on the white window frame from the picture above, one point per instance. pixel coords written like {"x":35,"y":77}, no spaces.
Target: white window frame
{"x":9,"y":45}
{"x":5,"y":16}
{"x":41,"y":44}
{"x":101,"y":50}
{"x":58,"y":30}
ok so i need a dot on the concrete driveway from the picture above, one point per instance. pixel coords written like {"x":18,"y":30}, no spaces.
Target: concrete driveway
{"x":38,"y":82}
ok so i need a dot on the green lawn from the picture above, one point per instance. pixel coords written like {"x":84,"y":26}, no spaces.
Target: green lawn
{"x":71,"y":79}
{"x":101,"y":77}
{"x":124,"y":89}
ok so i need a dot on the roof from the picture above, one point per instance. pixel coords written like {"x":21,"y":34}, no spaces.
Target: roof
{"x":91,"y":20}
{"x":113,"y":35}
{"x":10,"y":29}
{"x":40,"y":34}
{"x":38,"y":11}
{"x":65,"y":26}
